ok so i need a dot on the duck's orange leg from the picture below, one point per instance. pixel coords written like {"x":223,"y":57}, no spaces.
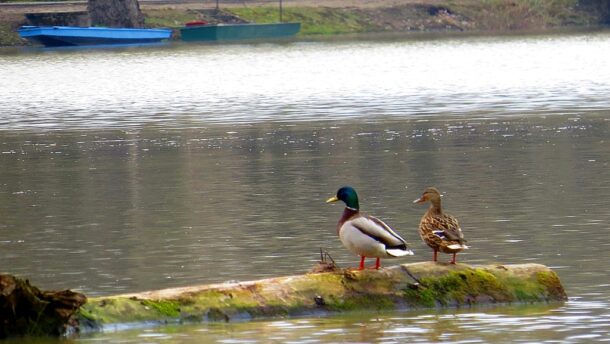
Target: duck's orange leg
{"x":361,"y":267}
{"x":453,"y":259}
{"x":377,"y":263}
{"x":435,"y":256}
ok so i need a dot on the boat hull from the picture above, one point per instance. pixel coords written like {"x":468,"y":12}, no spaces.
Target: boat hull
{"x":57,"y":36}
{"x":238,"y":32}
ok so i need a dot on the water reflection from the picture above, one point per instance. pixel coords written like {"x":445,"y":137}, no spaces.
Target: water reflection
{"x":187,"y":86}
{"x":488,"y":325}
{"x":117,"y":211}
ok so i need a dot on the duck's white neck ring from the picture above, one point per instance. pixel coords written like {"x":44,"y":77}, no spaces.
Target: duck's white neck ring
{"x":352,"y":209}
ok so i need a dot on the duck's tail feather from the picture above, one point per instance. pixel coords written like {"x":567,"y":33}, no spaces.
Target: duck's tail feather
{"x":398,"y":252}
{"x":457,"y":247}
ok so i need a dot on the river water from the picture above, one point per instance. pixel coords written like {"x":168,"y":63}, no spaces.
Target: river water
{"x":136,"y":169}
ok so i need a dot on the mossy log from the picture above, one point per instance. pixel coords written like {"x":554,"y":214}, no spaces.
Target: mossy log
{"x":417,"y":285}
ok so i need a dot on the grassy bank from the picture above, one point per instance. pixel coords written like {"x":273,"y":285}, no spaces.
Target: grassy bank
{"x":8,"y":36}
{"x":501,"y":15}
{"x":314,"y":20}
{"x":448,"y":16}
{"x":485,"y":15}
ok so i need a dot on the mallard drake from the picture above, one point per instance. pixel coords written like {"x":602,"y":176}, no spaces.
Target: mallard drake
{"x":438,"y":230}
{"x":365,"y":235}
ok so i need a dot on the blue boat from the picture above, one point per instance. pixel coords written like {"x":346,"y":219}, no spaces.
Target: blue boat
{"x":59,"y":36}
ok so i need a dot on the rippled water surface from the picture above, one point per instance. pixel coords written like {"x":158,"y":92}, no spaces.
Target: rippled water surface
{"x":190,"y":85}
{"x":136,"y":169}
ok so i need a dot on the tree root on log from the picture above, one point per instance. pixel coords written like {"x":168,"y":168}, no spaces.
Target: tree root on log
{"x":26,"y":310}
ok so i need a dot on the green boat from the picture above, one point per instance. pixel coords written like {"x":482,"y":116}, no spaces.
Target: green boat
{"x":202,"y":32}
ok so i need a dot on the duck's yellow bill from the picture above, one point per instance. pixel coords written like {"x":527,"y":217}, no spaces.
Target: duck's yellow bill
{"x":332,"y":199}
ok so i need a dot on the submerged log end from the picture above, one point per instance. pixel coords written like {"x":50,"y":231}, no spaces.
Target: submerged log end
{"x":408,"y":286}
{"x":26,"y":310}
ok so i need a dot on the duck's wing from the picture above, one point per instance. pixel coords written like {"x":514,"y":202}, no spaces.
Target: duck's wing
{"x":446,"y":227}
{"x":378,"y":230}
{"x":453,"y":230}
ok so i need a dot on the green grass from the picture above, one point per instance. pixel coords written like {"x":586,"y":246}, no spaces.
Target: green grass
{"x":314,"y":20}
{"x":168,"y":17}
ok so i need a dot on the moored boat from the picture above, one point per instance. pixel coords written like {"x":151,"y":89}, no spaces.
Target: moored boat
{"x":237,"y":32}
{"x":57,"y":36}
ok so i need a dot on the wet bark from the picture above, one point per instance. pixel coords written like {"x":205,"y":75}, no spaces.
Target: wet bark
{"x":408,"y":286}
{"x":26,"y":310}
{"x":115,"y":13}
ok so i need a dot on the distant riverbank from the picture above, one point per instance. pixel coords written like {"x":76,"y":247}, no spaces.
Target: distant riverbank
{"x":335,"y":17}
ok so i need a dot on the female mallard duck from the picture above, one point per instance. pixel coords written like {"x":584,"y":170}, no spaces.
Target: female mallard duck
{"x":367,"y":236}
{"x":438,"y":230}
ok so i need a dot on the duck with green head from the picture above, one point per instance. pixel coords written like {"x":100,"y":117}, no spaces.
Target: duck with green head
{"x":439,"y":230}
{"x":365,"y":235}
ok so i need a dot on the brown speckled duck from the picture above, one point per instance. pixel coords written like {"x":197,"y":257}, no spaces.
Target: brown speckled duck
{"x":438,"y":230}
{"x":365,"y":235}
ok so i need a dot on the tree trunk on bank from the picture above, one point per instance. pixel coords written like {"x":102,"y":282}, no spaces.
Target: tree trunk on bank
{"x":115,"y":13}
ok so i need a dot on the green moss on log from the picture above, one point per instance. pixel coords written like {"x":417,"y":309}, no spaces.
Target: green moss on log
{"x":418,"y":285}
{"x":499,"y":284}
{"x":552,"y":288}
{"x":168,"y":308}
{"x":464,"y":287}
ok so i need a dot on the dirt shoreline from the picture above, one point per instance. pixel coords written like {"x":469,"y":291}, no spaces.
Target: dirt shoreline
{"x":195,"y":5}
{"x":335,"y":17}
